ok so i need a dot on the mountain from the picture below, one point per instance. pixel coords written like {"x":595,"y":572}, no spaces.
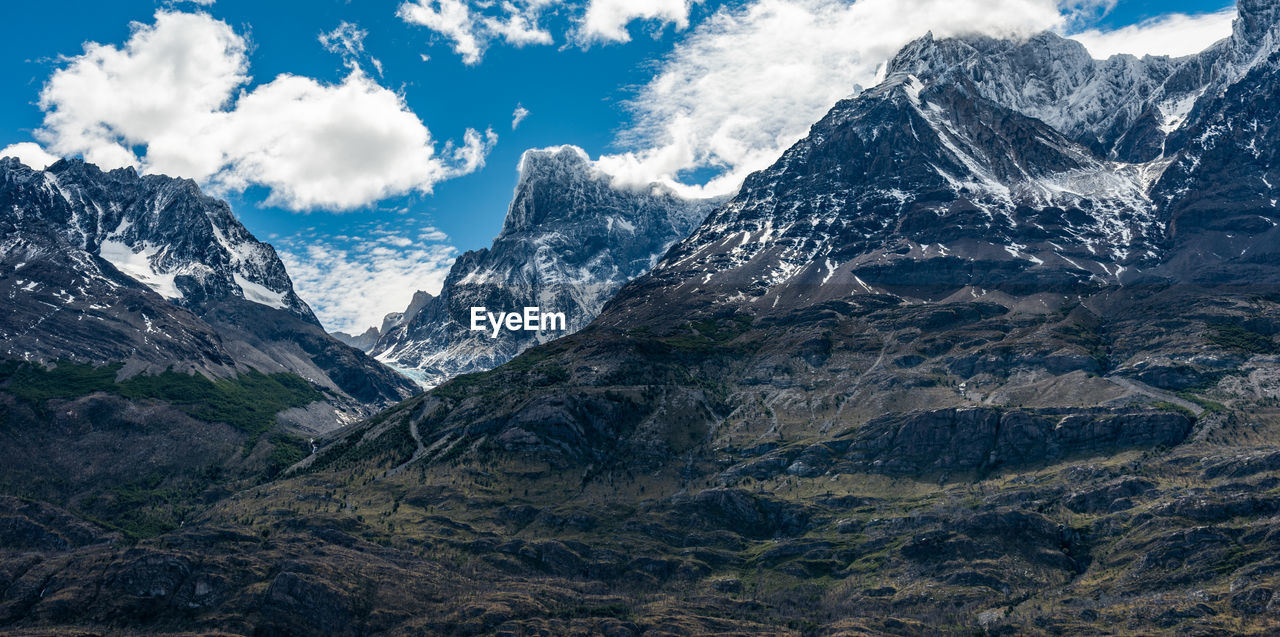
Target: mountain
{"x":569,"y":241}
{"x":989,"y":163}
{"x":110,"y":267}
{"x":964,"y":360}
{"x":153,"y":353}
{"x":362,"y":342}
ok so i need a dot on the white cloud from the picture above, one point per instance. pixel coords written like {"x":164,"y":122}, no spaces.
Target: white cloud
{"x":749,"y":81}
{"x":451,"y":19}
{"x":469,"y":157}
{"x":518,"y":116}
{"x":346,"y":40}
{"x":519,"y":24}
{"x":1174,"y":34}
{"x":29,"y":153}
{"x":351,"y":288}
{"x":341,"y":146}
{"x":471,"y":26}
{"x":171,"y":77}
{"x":176,"y":90}
{"x":607,"y":20}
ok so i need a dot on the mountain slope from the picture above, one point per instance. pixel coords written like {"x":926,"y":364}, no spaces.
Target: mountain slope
{"x":944,"y":365}
{"x":569,"y":241}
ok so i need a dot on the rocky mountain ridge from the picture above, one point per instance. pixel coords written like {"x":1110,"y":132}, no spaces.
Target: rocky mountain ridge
{"x":981,"y":163}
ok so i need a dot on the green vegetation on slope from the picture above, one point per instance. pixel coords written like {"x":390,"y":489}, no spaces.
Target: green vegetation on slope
{"x":140,"y":500}
{"x":1240,"y":337}
{"x":248,"y":402}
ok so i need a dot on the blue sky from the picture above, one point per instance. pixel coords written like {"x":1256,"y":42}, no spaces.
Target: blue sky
{"x":690,"y":94}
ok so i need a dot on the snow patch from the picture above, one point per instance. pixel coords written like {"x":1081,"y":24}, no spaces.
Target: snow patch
{"x":831,"y":271}
{"x":138,"y":266}
{"x":1174,"y":112}
{"x":622,"y":223}
{"x":259,"y":293}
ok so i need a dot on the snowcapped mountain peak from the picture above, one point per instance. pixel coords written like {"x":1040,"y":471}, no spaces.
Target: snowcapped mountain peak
{"x":541,"y":161}
{"x":1097,"y":103}
{"x":569,"y":241}
{"x":1255,"y":38}
{"x":161,"y":231}
{"x":148,"y":271}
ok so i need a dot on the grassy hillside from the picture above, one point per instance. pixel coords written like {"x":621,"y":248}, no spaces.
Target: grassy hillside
{"x":143,"y":454}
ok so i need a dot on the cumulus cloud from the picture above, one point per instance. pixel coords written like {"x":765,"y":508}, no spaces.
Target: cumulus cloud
{"x":749,"y":81}
{"x":169,"y":78}
{"x":176,"y":90}
{"x":518,"y":116}
{"x":353,"y":284}
{"x":472,"y":26}
{"x":1174,"y":34}
{"x":607,"y":20}
{"x":341,"y":146}
{"x":29,"y":153}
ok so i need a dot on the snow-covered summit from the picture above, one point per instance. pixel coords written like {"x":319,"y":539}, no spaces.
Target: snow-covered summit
{"x":161,"y":231}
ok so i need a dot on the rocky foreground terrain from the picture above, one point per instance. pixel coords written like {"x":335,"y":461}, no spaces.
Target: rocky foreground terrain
{"x":961,"y":362}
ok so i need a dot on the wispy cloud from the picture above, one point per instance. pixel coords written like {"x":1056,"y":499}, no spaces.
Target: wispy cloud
{"x":472,"y":26}
{"x":352,"y":283}
{"x":518,"y":116}
{"x":347,"y":40}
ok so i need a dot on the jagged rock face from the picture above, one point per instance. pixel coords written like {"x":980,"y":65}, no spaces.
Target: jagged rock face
{"x":1101,"y":104}
{"x":972,"y":439}
{"x":108,"y":267}
{"x":1219,"y":195}
{"x":569,"y":241}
